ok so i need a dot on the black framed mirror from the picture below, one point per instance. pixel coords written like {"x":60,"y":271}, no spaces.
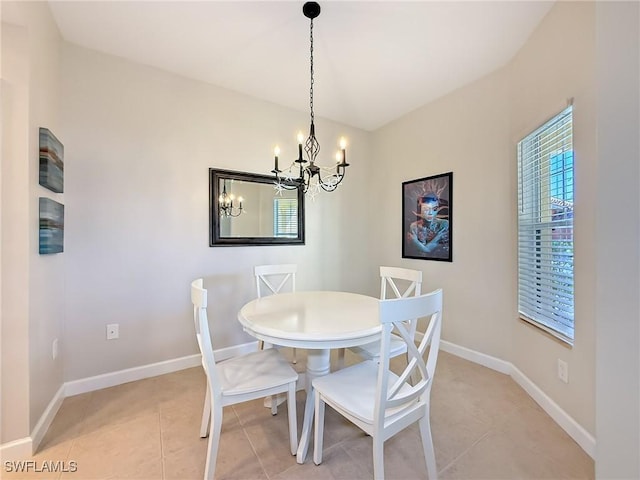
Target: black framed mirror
{"x":245,"y":209}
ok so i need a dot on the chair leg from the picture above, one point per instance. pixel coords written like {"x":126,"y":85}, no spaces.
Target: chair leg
{"x":318,"y":438}
{"x":206,"y":414}
{"x":295,"y":357}
{"x":378,"y":457}
{"x":307,"y":426}
{"x":260,"y":344}
{"x":293,"y":418}
{"x":274,"y":404}
{"x":214,"y":442}
{"x":427,"y":445}
{"x":340,"y":358}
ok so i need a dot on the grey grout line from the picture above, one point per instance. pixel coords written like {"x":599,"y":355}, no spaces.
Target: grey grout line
{"x":255,"y":452}
{"x":465,"y":451}
{"x":162,"y":464}
{"x":253,"y":448}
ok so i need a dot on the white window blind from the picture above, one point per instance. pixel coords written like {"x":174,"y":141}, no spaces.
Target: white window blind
{"x":285,"y":216}
{"x":545,"y":226}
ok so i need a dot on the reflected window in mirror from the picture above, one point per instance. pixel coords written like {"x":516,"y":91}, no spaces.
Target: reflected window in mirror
{"x":246,"y":209}
{"x":285,"y":217}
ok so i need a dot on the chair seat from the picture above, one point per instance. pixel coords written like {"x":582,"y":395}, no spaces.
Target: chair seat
{"x":354,"y":389}
{"x":255,"y":371}
{"x":371,"y":351}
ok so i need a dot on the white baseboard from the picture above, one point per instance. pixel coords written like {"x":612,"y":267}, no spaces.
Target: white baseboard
{"x":112,"y":379}
{"x":24,"y":447}
{"x":234,"y":351}
{"x":47,"y":417}
{"x":15,"y":450}
{"x":562,"y":418}
{"x":583,"y":438}
{"x":476,"y":357}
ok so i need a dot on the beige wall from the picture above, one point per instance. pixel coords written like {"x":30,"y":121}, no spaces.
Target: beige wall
{"x":466,"y":133}
{"x":15,"y":236}
{"x":473,"y":132}
{"x":557,"y":63}
{"x":32,"y":285}
{"x":139,"y":145}
{"x":618,"y":256}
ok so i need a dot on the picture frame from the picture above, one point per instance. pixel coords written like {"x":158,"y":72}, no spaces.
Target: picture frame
{"x":51,"y":161}
{"x":427,"y":218}
{"x":51,"y":235}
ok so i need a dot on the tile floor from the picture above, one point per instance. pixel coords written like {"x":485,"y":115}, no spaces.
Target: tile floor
{"x":484,"y":427}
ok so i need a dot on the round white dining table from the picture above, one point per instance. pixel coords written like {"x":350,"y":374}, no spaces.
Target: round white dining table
{"x":317,"y":322}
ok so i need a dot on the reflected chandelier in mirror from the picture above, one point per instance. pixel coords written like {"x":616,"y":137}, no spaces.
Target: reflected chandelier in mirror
{"x":263,"y":215}
{"x":225,"y":201}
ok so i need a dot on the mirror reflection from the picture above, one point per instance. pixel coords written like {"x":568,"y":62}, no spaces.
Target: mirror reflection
{"x":247,"y":210}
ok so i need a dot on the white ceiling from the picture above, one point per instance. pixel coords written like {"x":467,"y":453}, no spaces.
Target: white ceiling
{"x":373,"y":61}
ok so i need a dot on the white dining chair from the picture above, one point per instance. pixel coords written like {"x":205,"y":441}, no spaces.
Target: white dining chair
{"x":274,"y":279}
{"x":377,"y":400}
{"x":239,"y":379}
{"x":196,"y":288}
{"x":395,"y":282}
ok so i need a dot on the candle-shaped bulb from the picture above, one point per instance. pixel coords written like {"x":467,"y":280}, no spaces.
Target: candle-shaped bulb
{"x":300,"y":139}
{"x":276,"y":151}
{"x":343,"y":146}
{"x":240,"y":199}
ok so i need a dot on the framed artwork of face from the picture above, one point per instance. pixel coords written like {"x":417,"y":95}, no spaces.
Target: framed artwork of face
{"x":427,"y":218}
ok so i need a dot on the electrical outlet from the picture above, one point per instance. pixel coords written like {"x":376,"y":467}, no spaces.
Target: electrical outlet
{"x":113,"y":331}
{"x":563,"y":371}
{"x":54,"y":348}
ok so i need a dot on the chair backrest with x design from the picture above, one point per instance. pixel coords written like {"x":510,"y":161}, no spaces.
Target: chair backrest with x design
{"x":393,"y":316}
{"x":272,"y":279}
{"x":396,"y":278}
{"x":378,"y":400}
{"x":389,"y":277}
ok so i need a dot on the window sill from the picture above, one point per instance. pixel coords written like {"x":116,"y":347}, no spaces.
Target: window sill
{"x":557,"y":336}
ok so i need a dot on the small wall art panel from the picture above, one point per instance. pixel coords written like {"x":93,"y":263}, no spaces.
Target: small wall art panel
{"x":51,"y":161}
{"x":427,"y":218}
{"x":51,"y":226}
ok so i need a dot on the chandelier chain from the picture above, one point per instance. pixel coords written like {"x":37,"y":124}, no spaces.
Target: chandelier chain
{"x":311,"y":63}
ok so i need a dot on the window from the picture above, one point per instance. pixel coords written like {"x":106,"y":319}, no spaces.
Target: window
{"x":285,"y":217}
{"x":545,"y":226}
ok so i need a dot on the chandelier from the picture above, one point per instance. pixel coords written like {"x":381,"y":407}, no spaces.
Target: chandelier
{"x":304,"y":173}
{"x":226,"y":203}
